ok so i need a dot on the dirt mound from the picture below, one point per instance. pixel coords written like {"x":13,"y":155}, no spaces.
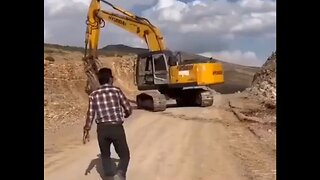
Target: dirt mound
{"x":264,"y":81}
{"x":64,"y":95}
{"x":123,"y":70}
{"x":65,"y":100}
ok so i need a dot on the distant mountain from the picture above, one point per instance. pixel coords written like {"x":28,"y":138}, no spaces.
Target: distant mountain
{"x":237,"y":77}
{"x":66,"y":48}
{"x":120,"y":48}
{"x":123,"y":49}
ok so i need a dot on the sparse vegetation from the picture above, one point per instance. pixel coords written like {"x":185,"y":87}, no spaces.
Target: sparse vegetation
{"x":50,"y":58}
{"x":49,"y":51}
{"x":64,"y":48}
{"x":107,"y":51}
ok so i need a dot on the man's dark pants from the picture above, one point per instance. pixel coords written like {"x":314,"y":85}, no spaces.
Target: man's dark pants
{"x":115,"y":134}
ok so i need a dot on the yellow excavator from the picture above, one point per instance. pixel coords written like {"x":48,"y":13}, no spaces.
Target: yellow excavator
{"x":160,"y":74}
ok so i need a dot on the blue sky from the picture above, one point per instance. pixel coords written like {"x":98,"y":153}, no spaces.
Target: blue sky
{"x":238,"y":31}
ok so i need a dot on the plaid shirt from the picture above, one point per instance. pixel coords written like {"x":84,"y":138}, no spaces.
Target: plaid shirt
{"x":107,"y":104}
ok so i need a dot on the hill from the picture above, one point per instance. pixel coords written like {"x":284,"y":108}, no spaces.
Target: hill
{"x":123,"y":49}
{"x":237,"y":77}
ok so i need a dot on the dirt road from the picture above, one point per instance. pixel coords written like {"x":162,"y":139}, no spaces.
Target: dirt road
{"x":181,"y":144}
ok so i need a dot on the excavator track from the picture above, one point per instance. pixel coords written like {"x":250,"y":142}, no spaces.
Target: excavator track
{"x":195,"y":97}
{"x":204,"y":98}
{"x":153,"y":101}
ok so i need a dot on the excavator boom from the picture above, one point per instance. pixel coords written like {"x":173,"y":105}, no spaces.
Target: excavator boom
{"x":126,"y":20}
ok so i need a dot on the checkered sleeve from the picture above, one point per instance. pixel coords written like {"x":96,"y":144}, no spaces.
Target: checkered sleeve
{"x":90,"y":114}
{"x":125,"y":104}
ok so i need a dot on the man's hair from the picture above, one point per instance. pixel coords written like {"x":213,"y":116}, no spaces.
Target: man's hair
{"x":104,"y":75}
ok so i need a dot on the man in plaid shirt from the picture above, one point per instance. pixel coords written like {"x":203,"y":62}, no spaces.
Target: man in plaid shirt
{"x":109,"y":106}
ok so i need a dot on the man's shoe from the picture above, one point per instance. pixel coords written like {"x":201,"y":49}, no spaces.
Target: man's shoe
{"x":108,"y":178}
{"x":119,"y":176}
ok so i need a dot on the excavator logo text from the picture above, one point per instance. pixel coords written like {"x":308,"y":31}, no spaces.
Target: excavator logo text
{"x":217,"y":72}
{"x":119,"y":21}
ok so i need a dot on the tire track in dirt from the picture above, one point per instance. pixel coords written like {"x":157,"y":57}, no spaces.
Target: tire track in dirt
{"x":162,"y":147}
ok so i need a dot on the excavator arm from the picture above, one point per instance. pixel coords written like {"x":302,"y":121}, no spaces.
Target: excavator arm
{"x":137,"y":25}
{"x":96,"y":19}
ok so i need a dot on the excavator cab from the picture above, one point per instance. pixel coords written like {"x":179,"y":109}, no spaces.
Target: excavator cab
{"x":172,"y":61}
{"x":152,"y":69}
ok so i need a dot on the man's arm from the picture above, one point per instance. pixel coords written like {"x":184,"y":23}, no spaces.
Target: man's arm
{"x":90,"y":115}
{"x":125,"y":104}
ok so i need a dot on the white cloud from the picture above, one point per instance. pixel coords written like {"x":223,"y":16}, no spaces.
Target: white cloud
{"x":219,"y":18}
{"x":55,"y":7}
{"x":169,"y":10}
{"x":248,"y":58}
{"x":45,"y":35}
{"x":199,"y":3}
{"x":257,"y":5}
{"x":127,"y":4}
{"x":196,"y":26}
{"x":164,"y":4}
{"x":256,"y":23}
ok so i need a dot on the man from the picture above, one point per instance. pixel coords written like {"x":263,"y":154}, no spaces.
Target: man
{"x":109,"y":106}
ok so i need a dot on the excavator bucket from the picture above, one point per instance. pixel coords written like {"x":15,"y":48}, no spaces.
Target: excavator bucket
{"x":91,"y":68}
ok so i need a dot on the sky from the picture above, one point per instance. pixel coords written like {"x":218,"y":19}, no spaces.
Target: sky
{"x":237,"y":31}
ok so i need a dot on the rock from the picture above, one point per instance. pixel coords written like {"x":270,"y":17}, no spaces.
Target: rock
{"x":270,"y":105}
{"x":264,"y":81}
{"x":50,"y":58}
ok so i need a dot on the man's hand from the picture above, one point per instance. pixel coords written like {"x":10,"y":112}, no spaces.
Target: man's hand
{"x":126,"y":115}
{"x":86,"y":136}
{"x":87,"y":172}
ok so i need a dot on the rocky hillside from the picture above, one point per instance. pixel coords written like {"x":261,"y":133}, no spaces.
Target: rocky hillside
{"x":64,"y":82}
{"x":65,"y":100}
{"x":64,"y":96}
{"x":264,"y":81}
